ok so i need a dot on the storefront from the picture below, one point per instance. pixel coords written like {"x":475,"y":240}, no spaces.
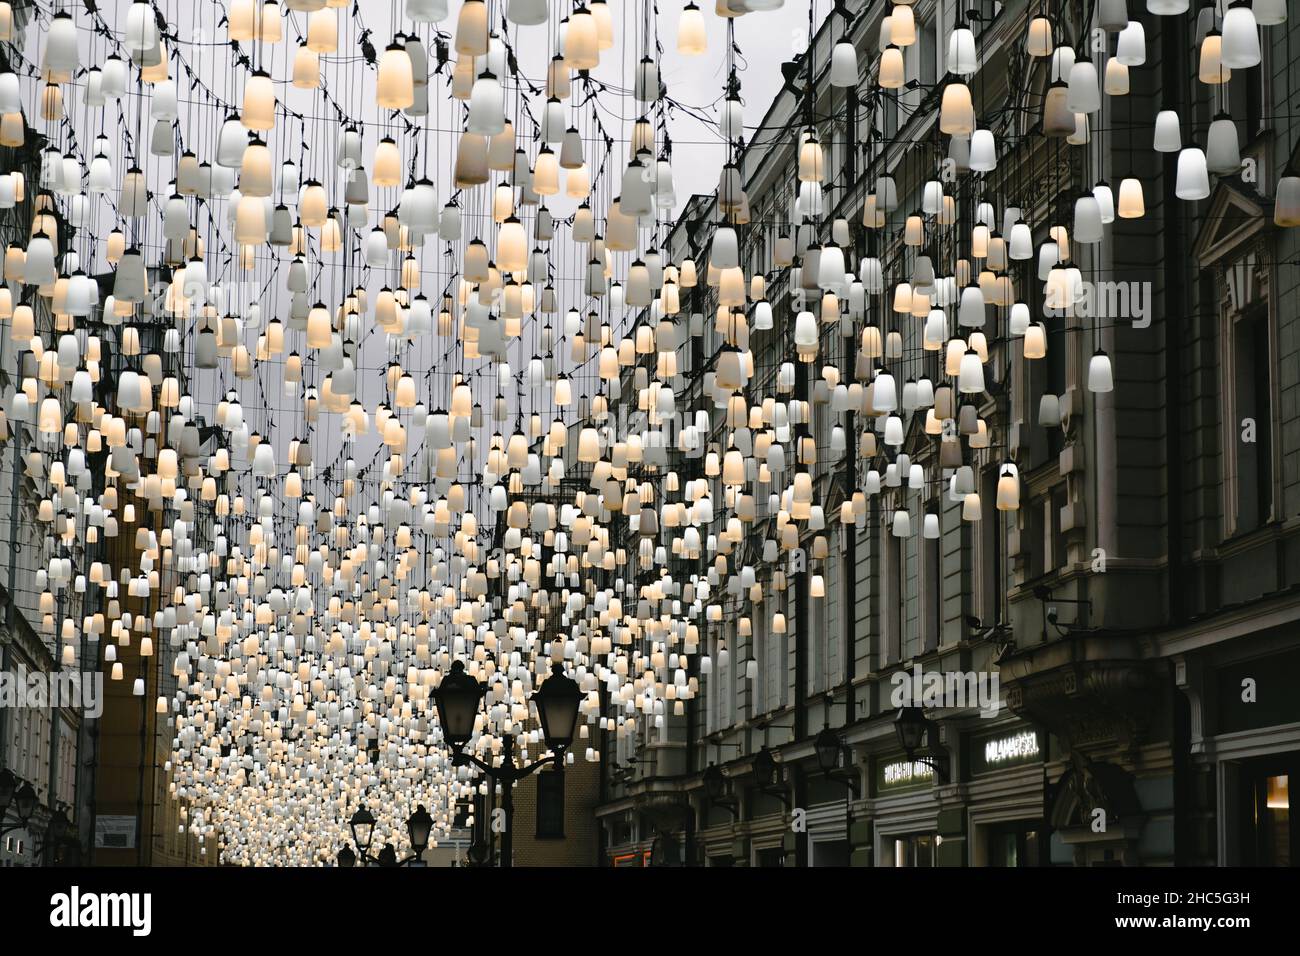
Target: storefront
{"x":1253,"y":719}
{"x":1005,"y":797}
{"x":905,"y":811}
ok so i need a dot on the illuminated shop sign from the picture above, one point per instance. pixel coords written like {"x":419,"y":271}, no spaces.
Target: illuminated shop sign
{"x":993,"y":753}
{"x":905,"y":773}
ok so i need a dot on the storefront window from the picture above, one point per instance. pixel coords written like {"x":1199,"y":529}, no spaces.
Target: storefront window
{"x":770,"y":856}
{"x":916,"y":849}
{"x":1269,"y":838}
{"x":1014,"y":844}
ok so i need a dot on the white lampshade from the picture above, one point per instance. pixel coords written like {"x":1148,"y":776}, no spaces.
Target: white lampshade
{"x":1087,"y":219}
{"x":1222,"y":152}
{"x":983,"y":151}
{"x":1168,"y":135}
{"x":1269,"y":13}
{"x":1100,"y":376}
{"x":1131,"y":44}
{"x":844,"y":65}
{"x":1193,"y":180}
{"x":962,"y":56}
{"x":1240,"y":38}
{"x":1286,"y":203}
{"x":1084,"y":95}
{"x":1105,"y":201}
{"x":486,"y":107}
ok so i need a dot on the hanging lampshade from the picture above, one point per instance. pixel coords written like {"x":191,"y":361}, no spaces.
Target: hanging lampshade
{"x":844,"y":64}
{"x":1058,"y":118}
{"x":1269,"y":13}
{"x":902,"y":25}
{"x":1168,"y":135}
{"x":1210,"y":68}
{"x":1105,"y":201}
{"x":486,"y":107}
{"x":61,"y":44}
{"x":1116,"y":82}
{"x":983,"y":151}
{"x":1100,"y":378}
{"x":1131,"y":44}
{"x":692,"y":38}
{"x":970,"y":379}
{"x":892,"y":72}
{"x":387,"y":163}
{"x":1035,"y":344}
{"x":1131,"y":203}
{"x":1039,"y":41}
{"x":1241,"y":48}
{"x":957,"y":111}
{"x":581,"y":43}
{"x":1193,"y":181}
{"x":1087,"y":219}
{"x":395,"y":85}
{"x":258,"y":112}
{"x":472,"y":29}
{"x":141,"y":31}
{"x":1222,"y":153}
{"x":1083,"y":94}
{"x":962,"y":57}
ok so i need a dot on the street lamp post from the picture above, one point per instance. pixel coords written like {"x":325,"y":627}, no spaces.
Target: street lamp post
{"x":419,"y":827}
{"x":21,"y":796}
{"x":715,"y":789}
{"x":557,"y":700}
{"x":914,"y":730}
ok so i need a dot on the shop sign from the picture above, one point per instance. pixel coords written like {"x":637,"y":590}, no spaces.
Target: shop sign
{"x":1007,"y":750}
{"x":900,"y":774}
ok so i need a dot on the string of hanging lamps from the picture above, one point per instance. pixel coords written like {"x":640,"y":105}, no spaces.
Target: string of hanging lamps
{"x":219,"y":307}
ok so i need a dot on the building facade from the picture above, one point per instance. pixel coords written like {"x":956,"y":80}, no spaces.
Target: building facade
{"x":1118,"y":654}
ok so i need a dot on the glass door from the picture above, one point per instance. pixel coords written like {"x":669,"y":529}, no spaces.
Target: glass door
{"x":1268,"y":835}
{"x":1018,"y":843}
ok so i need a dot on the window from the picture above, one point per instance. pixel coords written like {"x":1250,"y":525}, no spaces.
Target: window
{"x":1014,"y":844}
{"x":916,"y":849}
{"x":550,"y":805}
{"x":893,"y":594}
{"x":1267,"y":836}
{"x":988,"y":562}
{"x":1251,"y":422}
{"x":931,"y":588}
{"x":832,"y":571}
{"x":1054,"y":546}
{"x":769,"y":856}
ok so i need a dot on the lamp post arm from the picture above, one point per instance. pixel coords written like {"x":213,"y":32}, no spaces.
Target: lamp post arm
{"x":537,"y":765}
{"x":460,"y":759}
{"x":504,"y":772}
{"x":938,"y":764}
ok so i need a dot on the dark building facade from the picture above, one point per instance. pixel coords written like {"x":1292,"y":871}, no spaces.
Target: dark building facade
{"x":1134,"y":620}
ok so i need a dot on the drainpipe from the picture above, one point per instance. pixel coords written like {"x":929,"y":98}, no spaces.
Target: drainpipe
{"x":11,"y":607}
{"x":1173,"y":54}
